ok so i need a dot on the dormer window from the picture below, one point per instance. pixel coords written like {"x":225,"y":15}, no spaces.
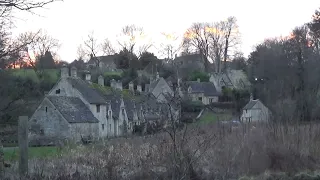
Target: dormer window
{"x":58,"y":91}
{"x":109,"y":115}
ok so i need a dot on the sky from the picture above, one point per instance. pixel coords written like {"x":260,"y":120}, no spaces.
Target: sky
{"x":72,"y":20}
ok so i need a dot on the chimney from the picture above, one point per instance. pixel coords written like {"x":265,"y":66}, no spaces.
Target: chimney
{"x":151,"y":80}
{"x":101,"y":80}
{"x":139,"y":88}
{"x":158,"y":75}
{"x":88,"y":76}
{"x":131,"y":86}
{"x":64,"y":71}
{"x":198,"y":79}
{"x":74,"y":72}
{"x":119,"y":85}
{"x":113,"y":83}
{"x":251,"y":96}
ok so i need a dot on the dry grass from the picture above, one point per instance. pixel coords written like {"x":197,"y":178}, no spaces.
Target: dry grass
{"x":212,"y":152}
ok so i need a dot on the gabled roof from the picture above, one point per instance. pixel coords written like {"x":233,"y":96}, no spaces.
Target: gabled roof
{"x":73,"y":109}
{"x":250,"y":104}
{"x":207,"y":88}
{"x":88,"y":92}
{"x":105,"y":59}
{"x":189,"y":57}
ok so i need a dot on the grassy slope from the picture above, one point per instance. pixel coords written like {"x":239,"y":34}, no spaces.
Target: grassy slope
{"x":53,"y":74}
{"x":34,"y":152}
{"x":209,"y":117}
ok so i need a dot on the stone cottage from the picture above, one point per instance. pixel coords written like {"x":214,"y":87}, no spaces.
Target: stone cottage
{"x":63,"y":117}
{"x":234,"y":79}
{"x":204,"y":92}
{"x":158,"y":87}
{"x":255,"y":111}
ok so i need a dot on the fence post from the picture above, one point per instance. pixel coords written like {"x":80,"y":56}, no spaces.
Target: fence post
{"x":23,"y":145}
{"x":1,"y":162}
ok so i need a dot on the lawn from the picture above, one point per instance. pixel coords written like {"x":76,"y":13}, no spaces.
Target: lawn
{"x":209,"y":117}
{"x":11,"y":154}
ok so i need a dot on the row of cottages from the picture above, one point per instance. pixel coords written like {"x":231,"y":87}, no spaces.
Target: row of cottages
{"x":74,"y":109}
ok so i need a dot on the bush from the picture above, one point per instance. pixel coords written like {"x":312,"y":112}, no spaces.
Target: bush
{"x":191,"y":106}
{"x":204,"y":77}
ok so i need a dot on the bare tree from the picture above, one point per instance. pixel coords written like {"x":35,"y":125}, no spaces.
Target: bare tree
{"x":25,"y":5}
{"x":133,"y":33}
{"x":170,"y":48}
{"x":107,"y":47}
{"x":81,"y":54}
{"x":37,"y":43}
{"x":216,"y":44}
{"x":231,"y":37}
{"x":42,"y":43}
{"x":92,"y":47}
{"x":197,"y":37}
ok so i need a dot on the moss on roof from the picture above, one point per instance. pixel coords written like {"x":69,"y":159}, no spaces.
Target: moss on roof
{"x":106,"y":90}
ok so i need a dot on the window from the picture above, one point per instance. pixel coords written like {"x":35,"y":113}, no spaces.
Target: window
{"x":200,"y":98}
{"x":123,"y":112}
{"x":102,"y":126}
{"x":46,"y":109}
{"x":58,"y":91}
{"x":109,"y":114}
{"x":98,"y":108}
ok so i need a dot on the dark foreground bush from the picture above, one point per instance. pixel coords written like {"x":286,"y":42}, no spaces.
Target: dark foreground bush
{"x":209,"y":152}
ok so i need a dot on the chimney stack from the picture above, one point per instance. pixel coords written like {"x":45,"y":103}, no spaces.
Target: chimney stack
{"x":74,"y":72}
{"x":158,"y":76}
{"x":64,"y":71}
{"x":139,"y":88}
{"x":88,"y":76}
{"x":113,"y":83}
{"x":101,"y":80}
{"x":198,"y":79}
{"x":119,"y":85}
{"x":251,"y":96}
{"x":131,"y":86}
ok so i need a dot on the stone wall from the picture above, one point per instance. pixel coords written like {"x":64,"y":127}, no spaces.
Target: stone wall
{"x":84,"y":129}
{"x":47,"y":123}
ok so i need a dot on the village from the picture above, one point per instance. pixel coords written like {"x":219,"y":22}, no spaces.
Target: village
{"x":129,"y":90}
{"x":77,"y":108}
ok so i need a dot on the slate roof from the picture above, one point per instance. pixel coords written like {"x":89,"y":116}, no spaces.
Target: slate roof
{"x":88,"y":92}
{"x":189,"y":57}
{"x":250,"y":104}
{"x":73,"y":109}
{"x":207,"y":88}
{"x":153,"y":85}
{"x":105,"y":59}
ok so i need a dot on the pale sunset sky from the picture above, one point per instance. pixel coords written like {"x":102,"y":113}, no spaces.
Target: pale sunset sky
{"x":72,"y":20}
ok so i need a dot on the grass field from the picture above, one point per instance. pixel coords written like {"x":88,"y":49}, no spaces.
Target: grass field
{"x":209,"y":117}
{"x":11,"y":154}
{"x":51,"y":74}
